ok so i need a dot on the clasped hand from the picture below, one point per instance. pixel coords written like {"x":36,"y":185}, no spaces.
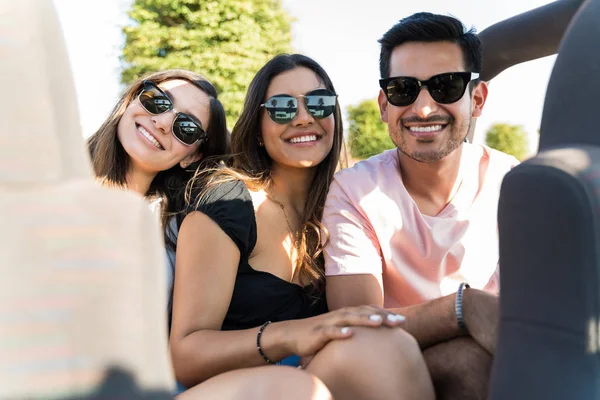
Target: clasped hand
{"x":308,"y":336}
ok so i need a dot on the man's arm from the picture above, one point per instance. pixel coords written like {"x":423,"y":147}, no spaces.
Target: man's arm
{"x":525,"y":37}
{"x":431,"y":322}
{"x":353,"y":265}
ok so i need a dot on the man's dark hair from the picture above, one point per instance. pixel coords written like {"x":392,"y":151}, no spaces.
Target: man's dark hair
{"x":428,"y":27}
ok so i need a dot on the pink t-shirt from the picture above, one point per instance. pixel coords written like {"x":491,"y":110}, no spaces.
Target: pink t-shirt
{"x":376,"y":228}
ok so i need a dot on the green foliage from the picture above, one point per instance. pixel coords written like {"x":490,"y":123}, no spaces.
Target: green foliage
{"x":227,"y":41}
{"x":367,"y":134}
{"x":510,"y":139}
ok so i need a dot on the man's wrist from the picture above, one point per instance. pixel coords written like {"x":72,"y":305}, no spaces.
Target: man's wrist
{"x":458,"y":306}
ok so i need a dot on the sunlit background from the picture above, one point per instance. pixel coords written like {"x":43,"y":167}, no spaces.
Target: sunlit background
{"x":341,"y":35}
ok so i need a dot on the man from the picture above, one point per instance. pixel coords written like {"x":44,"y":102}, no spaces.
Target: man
{"x":408,"y":226}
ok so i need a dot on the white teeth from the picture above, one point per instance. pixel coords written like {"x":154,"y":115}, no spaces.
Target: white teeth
{"x":302,"y":139}
{"x":149,"y":137}
{"x":431,"y":128}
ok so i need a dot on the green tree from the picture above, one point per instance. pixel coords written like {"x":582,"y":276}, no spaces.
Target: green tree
{"x":227,"y":41}
{"x":367,"y":134}
{"x":510,"y":139}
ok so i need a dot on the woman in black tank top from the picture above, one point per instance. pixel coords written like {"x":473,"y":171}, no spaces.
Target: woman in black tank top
{"x":249,"y":284}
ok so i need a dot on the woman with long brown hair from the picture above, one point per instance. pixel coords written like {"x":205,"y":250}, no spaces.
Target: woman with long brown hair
{"x":166,"y":127}
{"x":249,"y":286}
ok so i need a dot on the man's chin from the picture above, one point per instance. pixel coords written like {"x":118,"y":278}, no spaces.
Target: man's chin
{"x":429,"y":152}
{"x":427,"y":157}
{"x":424,"y":156}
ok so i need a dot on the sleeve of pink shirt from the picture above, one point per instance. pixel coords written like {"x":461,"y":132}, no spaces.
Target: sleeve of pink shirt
{"x":493,"y":285}
{"x":352,"y":247}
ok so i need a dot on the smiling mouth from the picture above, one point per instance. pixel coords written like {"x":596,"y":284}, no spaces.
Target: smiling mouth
{"x":426,"y":133}
{"x":148,"y":136}
{"x":426,"y":129}
{"x":303,"y":139}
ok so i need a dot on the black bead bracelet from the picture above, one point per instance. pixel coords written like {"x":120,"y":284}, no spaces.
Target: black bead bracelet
{"x":260,"y":332}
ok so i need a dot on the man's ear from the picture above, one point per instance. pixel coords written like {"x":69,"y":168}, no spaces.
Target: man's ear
{"x":480,"y":92}
{"x":383,"y":106}
{"x":192,"y":158}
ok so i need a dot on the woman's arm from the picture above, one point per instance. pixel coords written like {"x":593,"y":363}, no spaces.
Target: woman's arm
{"x":206,"y":267}
{"x":525,"y":37}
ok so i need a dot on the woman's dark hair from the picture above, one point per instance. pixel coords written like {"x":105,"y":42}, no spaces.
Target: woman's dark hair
{"x":111,"y":162}
{"x":251,"y":163}
{"x":428,"y":27}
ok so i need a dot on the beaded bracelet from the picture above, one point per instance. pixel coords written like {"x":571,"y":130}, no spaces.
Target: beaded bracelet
{"x":458,"y":305}
{"x":260,"y":332}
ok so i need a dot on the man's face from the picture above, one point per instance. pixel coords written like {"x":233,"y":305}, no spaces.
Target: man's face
{"x":425,"y":130}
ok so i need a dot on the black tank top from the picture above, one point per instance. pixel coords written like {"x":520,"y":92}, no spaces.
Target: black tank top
{"x":257,"y":296}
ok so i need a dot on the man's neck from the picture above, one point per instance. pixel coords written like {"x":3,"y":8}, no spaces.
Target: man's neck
{"x":290,"y":186}
{"x":431,"y":185}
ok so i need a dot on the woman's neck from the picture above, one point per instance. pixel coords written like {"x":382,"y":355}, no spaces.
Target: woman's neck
{"x":139,"y":181}
{"x":290,"y":186}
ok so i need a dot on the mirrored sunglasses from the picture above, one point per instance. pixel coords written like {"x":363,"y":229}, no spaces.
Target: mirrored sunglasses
{"x":283,"y":108}
{"x":187,"y":129}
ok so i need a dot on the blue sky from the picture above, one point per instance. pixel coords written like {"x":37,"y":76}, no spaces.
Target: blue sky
{"x":340,"y":34}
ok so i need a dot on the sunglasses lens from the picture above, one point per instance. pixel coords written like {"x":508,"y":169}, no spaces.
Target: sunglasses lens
{"x":447,"y":88}
{"x":402,"y":91}
{"x":187,"y":130}
{"x":320,"y":103}
{"x":281,"y":108}
{"x":154,"y":101}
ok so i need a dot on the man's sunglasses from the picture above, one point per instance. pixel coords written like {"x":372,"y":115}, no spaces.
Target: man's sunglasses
{"x":282,"y":108}
{"x":187,"y":129}
{"x":445,"y":88}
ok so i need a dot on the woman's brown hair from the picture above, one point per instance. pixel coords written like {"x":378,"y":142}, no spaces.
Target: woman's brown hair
{"x":251,"y":163}
{"x":111,"y":163}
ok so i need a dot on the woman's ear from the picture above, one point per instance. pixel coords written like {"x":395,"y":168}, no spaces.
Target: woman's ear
{"x":192,"y":158}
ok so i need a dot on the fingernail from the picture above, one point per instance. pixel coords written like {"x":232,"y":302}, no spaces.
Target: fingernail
{"x":375,"y":317}
{"x":345,"y":330}
{"x":395,"y":317}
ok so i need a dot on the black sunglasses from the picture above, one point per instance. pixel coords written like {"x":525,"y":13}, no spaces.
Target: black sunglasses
{"x":187,"y":129}
{"x":445,"y":88}
{"x":282,"y":108}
